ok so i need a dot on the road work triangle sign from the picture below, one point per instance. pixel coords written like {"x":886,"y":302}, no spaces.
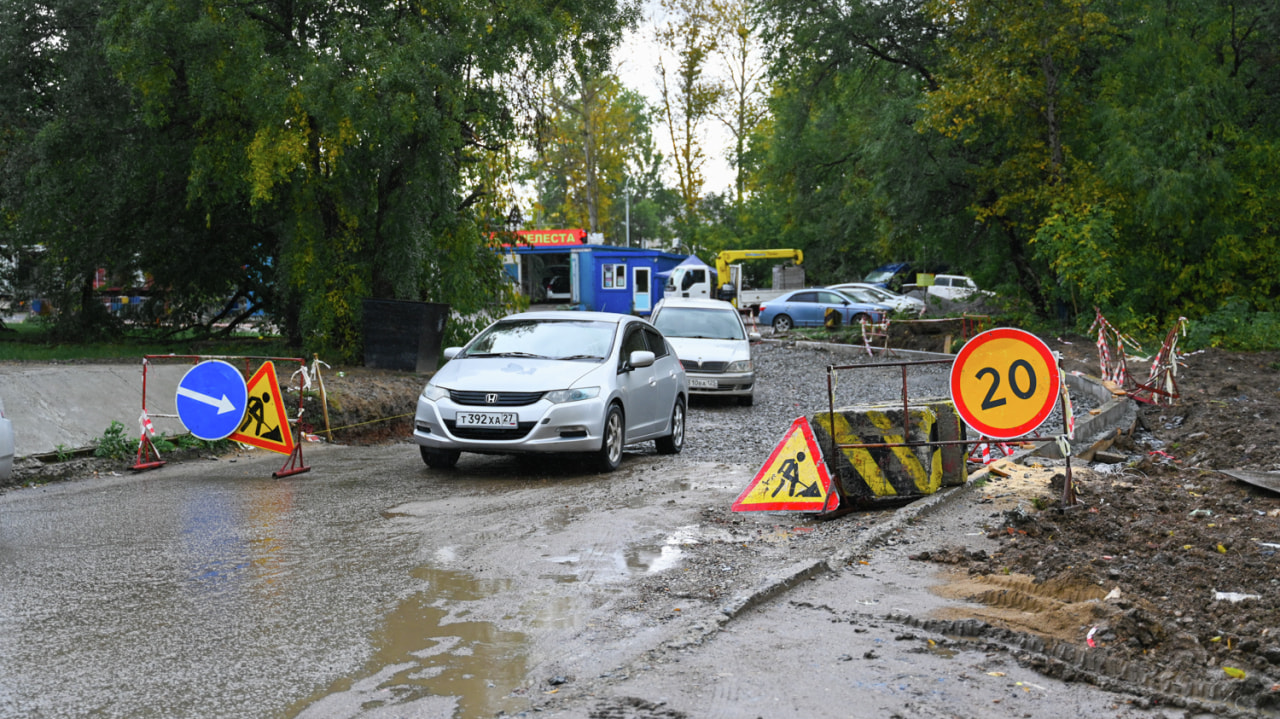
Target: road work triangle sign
{"x":265,"y":423}
{"x":793,"y":479}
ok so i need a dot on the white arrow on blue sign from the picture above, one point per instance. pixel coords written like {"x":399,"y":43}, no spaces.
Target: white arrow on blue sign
{"x":211,"y":399}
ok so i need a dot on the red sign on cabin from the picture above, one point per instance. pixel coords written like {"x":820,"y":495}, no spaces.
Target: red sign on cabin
{"x":547,"y":238}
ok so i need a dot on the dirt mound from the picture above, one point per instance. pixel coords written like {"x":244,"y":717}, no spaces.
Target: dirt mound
{"x":366,"y":406}
{"x":1166,"y":569}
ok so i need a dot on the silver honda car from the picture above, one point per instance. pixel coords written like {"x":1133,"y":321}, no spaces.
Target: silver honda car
{"x":584,"y":382}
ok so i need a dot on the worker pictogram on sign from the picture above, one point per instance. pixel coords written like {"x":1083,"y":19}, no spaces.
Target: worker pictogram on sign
{"x":265,"y":423}
{"x":794,"y":478}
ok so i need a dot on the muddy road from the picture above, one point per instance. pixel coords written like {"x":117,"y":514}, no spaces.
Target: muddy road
{"x":374,"y":586}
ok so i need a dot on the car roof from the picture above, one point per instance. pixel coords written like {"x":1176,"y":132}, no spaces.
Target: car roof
{"x":571,"y":315}
{"x":697,"y":302}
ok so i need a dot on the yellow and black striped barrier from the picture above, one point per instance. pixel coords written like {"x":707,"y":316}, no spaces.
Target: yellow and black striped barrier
{"x":872,"y":458}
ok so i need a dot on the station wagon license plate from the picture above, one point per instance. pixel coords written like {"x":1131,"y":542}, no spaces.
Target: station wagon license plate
{"x":487,"y":419}
{"x":703,"y":383}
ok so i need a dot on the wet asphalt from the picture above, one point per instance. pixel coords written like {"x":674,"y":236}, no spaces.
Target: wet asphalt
{"x":205,"y":590}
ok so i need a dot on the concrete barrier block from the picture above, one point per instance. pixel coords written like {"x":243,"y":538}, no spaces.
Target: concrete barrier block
{"x":893,"y":470}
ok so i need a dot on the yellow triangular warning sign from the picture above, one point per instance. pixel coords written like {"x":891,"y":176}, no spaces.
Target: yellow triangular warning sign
{"x":265,"y":423}
{"x":794,"y":477}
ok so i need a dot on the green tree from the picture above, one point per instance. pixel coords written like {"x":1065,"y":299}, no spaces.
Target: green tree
{"x":359,"y":136}
{"x":688,"y":98}
{"x":741,"y":108}
{"x":596,"y":136}
{"x":840,"y":169}
{"x":1017,"y":84}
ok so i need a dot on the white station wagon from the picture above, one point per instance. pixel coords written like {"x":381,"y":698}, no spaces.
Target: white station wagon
{"x":713,"y":345}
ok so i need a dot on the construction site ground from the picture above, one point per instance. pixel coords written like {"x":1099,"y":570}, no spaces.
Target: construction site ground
{"x":1164,"y":573}
{"x":1162,"y":578}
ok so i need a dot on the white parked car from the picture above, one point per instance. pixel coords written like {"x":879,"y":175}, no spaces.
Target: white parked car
{"x":589,"y":382}
{"x":895,"y":301}
{"x":713,"y":345}
{"x":955,"y":287}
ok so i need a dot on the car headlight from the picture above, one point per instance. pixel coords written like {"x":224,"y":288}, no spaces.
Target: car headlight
{"x":572,"y":395}
{"x":739,"y":366}
{"x":434,"y":392}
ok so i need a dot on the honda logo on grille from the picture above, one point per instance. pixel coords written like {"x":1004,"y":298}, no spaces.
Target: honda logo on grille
{"x":491,"y":398}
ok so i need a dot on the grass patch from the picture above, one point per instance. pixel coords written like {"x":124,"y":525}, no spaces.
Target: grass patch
{"x":35,"y":342}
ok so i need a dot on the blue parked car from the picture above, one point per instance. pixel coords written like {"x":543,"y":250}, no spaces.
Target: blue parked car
{"x":808,"y":308}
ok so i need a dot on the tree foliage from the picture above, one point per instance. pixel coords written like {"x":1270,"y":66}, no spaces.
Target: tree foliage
{"x":1078,"y":153}
{"x":595,"y":146}
{"x":688,"y":97}
{"x":327,"y":152}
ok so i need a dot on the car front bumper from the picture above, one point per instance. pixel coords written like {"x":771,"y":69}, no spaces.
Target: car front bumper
{"x":542,"y":427}
{"x":736,"y":384}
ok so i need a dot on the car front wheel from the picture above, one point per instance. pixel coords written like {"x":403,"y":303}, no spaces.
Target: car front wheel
{"x":439,"y":458}
{"x":674,"y":442}
{"x":782,"y":323}
{"x":612,"y":440}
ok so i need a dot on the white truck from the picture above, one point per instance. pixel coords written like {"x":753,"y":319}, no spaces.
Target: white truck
{"x":693,"y":281}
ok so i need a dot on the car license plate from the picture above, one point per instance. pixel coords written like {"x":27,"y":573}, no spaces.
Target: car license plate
{"x":487,"y":419}
{"x":703,"y":384}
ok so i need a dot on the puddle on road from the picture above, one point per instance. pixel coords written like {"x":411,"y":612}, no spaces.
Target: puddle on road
{"x":428,"y":662}
{"x":636,"y":559}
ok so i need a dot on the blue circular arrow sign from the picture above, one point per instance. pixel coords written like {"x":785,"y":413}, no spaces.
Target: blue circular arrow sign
{"x":211,"y":399}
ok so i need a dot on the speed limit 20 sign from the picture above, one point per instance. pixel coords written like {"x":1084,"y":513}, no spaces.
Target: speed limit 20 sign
{"x":1005,"y":382}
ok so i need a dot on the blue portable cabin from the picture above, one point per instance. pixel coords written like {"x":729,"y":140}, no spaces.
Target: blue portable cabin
{"x":605,"y":278}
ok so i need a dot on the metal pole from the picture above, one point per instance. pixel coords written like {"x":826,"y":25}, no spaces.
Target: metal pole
{"x":1068,"y":487}
{"x":628,"y":190}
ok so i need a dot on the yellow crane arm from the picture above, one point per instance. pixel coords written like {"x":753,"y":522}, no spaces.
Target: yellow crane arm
{"x":724,"y":259}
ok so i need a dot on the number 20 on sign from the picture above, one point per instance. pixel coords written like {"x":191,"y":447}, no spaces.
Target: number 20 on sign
{"x":1005,"y":382}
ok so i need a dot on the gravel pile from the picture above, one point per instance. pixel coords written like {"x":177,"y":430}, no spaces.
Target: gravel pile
{"x":791,"y":382}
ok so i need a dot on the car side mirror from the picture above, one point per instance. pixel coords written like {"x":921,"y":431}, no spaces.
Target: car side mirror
{"x":451,"y":352}
{"x":641,"y":358}
{"x":753,"y":336}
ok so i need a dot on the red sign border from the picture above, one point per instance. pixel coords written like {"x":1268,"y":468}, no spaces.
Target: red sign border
{"x":1037,"y":344}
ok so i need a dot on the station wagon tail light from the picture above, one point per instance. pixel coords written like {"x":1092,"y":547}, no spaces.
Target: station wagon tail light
{"x":561,"y":396}
{"x":762,"y":308}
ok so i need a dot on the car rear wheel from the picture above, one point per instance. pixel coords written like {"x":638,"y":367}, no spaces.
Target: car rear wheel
{"x":439,"y":458}
{"x":674,"y":442}
{"x":860,"y":318}
{"x":612,"y":440}
{"x":782,"y":323}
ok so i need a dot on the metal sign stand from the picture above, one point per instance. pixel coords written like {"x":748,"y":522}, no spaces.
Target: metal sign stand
{"x":148,"y":456}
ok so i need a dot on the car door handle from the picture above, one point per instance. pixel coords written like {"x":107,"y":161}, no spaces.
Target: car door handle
{"x":653,"y":381}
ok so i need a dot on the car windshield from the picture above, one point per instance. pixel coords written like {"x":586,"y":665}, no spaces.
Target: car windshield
{"x":699,"y":323}
{"x":552,"y":339}
{"x":880,"y":276}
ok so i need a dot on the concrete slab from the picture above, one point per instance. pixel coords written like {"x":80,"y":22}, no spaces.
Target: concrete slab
{"x":69,"y":406}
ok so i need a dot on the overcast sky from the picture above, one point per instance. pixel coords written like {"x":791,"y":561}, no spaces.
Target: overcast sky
{"x":637,"y":65}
